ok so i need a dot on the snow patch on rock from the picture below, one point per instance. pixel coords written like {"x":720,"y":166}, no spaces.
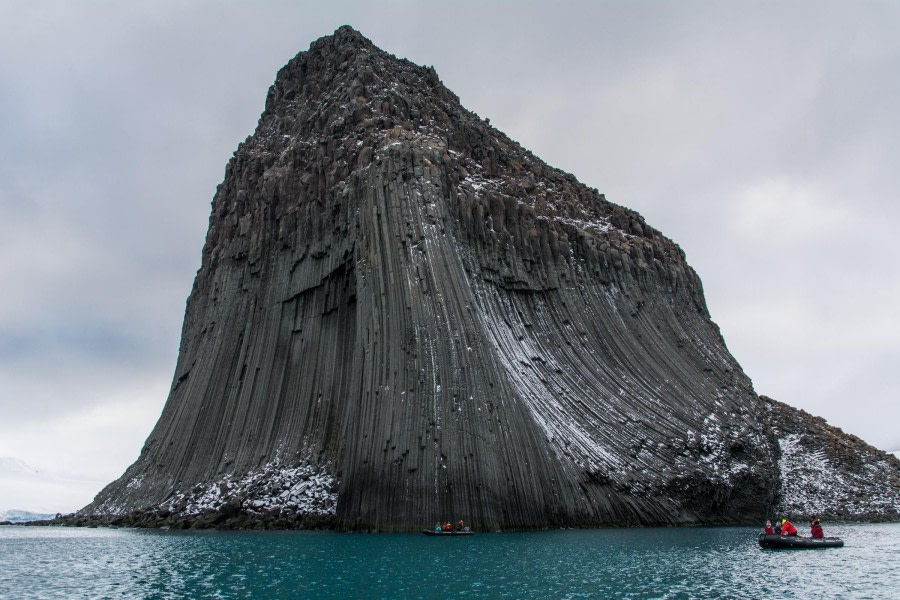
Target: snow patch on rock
{"x":300,"y":490}
{"x":812,"y":484}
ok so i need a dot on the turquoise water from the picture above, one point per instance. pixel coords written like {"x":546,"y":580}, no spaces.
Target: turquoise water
{"x":704,"y":562}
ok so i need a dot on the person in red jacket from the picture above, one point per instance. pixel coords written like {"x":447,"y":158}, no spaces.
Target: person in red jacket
{"x":787,"y":528}
{"x":816,"y":528}
{"x":768,"y":530}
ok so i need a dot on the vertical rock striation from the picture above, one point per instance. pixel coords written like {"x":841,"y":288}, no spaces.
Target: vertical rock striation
{"x":402,"y":316}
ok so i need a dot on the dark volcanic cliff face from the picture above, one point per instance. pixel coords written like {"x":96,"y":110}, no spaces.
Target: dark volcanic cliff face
{"x":402,"y":316}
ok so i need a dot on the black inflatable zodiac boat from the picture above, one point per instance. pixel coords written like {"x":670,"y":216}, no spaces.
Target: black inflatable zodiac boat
{"x":773,"y":540}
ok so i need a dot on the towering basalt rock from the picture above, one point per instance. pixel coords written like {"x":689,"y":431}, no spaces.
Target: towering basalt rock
{"x":402,"y":316}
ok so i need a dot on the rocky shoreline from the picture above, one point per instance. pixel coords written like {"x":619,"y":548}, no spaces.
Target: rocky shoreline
{"x":230,"y":522}
{"x":213,"y":519}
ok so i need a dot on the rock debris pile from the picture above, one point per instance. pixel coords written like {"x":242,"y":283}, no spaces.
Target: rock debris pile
{"x":828,"y":472}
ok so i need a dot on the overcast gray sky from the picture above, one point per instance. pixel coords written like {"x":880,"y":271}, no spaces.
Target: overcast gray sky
{"x":761,"y":136}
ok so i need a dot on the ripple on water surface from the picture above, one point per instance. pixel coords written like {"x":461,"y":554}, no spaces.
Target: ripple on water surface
{"x":704,"y":562}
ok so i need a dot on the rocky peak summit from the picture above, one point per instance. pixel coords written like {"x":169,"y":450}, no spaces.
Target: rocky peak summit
{"x":354,"y":103}
{"x":404,"y":317}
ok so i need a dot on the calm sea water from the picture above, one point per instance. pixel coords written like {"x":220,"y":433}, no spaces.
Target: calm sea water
{"x":705,"y":562}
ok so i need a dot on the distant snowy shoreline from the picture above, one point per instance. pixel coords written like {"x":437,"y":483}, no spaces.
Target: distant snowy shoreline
{"x":23,"y":516}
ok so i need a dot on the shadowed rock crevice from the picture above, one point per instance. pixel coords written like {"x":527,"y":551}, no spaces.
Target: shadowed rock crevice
{"x":401,"y":305}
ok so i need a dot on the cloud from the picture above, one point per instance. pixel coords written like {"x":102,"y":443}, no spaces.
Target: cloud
{"x":46,"y":493}
{"x":781,"y":211}
{"x":109,"y":433}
